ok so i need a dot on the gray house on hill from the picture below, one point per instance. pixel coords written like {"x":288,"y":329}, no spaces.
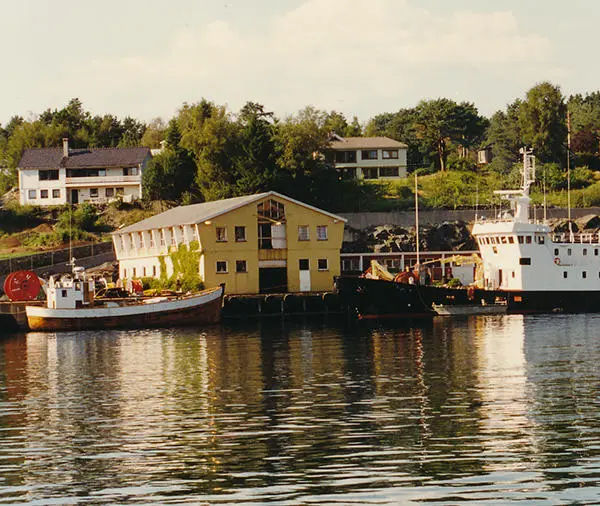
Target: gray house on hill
{"x":54,"y":176}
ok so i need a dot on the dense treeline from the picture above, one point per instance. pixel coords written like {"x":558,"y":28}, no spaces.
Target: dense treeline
{"x":210,"y":152}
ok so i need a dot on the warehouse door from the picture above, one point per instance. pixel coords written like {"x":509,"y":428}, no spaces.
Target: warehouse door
{"x":272,"y":279}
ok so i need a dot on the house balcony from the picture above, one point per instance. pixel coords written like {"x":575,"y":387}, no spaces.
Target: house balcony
{"x":98,"y":181}
{"x":272,"y":254}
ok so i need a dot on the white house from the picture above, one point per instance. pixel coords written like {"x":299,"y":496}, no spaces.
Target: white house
{"x":368,"y":157}
{"x":54,"y":176}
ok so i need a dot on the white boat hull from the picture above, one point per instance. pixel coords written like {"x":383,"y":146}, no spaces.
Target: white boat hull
{"x":204,"y":307}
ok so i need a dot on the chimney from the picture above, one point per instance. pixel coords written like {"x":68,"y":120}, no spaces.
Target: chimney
{"x":65,"y":147}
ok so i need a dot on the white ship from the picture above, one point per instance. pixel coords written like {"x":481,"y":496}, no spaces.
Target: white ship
{"x":539,"y":271}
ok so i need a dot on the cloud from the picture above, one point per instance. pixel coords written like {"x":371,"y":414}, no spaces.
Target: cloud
{"x":335,"y":54}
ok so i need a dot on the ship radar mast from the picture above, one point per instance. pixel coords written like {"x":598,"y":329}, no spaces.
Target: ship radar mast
{"x":519,"y":199}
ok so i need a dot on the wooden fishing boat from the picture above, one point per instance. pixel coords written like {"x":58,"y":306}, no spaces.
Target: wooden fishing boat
{"x":71,"y":306}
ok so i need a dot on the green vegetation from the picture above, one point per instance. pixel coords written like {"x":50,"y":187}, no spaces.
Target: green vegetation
{"x":213,"y":153}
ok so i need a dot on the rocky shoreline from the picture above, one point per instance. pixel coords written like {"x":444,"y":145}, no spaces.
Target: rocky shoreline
{"x":446,"y":236}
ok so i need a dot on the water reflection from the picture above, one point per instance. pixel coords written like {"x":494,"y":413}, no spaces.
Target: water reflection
{"x":486,"y":409}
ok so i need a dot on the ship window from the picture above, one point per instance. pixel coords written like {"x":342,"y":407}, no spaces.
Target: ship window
{"x":520,"y":239}
{"x":555,"y":252}
{"x":565,"y":274}
{"x":584,"y":251}
{"x":541,"y":239}
{"x":503,"y":239}
{"x":584,"y":274}
{"x":569,"y":251}
{"x":528,"y":239}
{"x":596,"y":251}
{"x":511,"y":239}
{"x":525,"y":261}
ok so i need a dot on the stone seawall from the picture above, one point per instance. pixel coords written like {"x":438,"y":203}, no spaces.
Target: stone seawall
{"x":362,"y":221}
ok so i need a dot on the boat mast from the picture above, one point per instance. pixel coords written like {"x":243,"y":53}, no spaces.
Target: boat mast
{"x":417,"y":217}
{"x":571,"y":238}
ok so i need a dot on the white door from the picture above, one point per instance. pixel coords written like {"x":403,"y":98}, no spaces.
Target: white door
{"x":304,"y":270}
{"x":278,"y":236}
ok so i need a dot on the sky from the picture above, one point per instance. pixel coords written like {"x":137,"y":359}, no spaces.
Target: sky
{"x":145,"y":58}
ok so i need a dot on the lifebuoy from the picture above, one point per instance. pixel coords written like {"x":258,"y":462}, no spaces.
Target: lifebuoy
{"x":557,"y":261}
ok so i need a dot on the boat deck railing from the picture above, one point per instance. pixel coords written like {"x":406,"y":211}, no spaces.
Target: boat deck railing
{"x":581,"y":238}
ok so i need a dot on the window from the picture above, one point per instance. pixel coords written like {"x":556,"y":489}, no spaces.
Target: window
{"x":345,"y":157}
{"x":389,"y":153}
{"x":32,"y":194}
{"x":541,"y":239}
{"x":154,"y":271}
{"x":221,"y":234}
{"x":173,"y":237}
{"x":241,"y":266}
{"x":569,"y":251}
{"x":369,"y":154}
{"x":222,"y":267}
{"x":141,"y":238}
{"x":130,"y":171}
{"x":240,"y":234}
{"x":303,"y":264}
{"x":584,"y":251}
{"x":520,"y":239}
{"x":134,"y":272}
{"x":94,"y":193}
{"x":120,"y":192}
{"x":565,"y":274}
{"x":144,"y":271}
{"x":525,"y":261}
{"x":370,"y":172}
{"x":48,"y":175}
{"x":527,"y":239}
{"x":555,"y":252}
{"x":102,"y":172}
{"x":511,"y":239}
{"x":125,"y":273}
{"x":595,"y":251}
{"x":151,"y":239}
{"x":389,"y":171}
{"x":43,"y":194}
{"x":321,"y":232}
{"x":584,"y":274}
{"x":162,"y":237}
{"x":109,"y":192}
{"x":56,"y":193}
{"x":303,"y":233}
{"x":271,"y":209}
{"x":322,"y":264}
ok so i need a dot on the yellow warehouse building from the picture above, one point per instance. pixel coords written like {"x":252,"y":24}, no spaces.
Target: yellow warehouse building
{"x":264,"y":243}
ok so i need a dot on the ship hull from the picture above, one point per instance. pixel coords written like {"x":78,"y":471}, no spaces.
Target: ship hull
{"x":553,"y":301}
{"x":202,"y":308}
{"x":369,"y":299}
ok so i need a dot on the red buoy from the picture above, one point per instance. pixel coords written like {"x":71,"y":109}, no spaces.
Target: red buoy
{"x":22,"y":285}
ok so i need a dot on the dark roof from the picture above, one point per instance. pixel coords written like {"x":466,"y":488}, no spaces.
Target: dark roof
{"x":52,"y":158}
{"x":365,"y":143}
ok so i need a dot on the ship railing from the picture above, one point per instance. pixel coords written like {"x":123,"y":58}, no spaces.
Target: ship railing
{"x":565,"y":237}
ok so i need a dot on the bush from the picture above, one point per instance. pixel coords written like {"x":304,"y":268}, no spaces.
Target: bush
{"x":15,"y":218}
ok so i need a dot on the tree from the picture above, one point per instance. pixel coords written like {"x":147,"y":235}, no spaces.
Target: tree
{"x":154,"y":134}
{"x":542,"y":119}
{"x":504,"y":135}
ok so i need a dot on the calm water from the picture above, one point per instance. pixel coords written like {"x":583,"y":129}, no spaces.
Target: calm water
{"x":485,"y":409}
